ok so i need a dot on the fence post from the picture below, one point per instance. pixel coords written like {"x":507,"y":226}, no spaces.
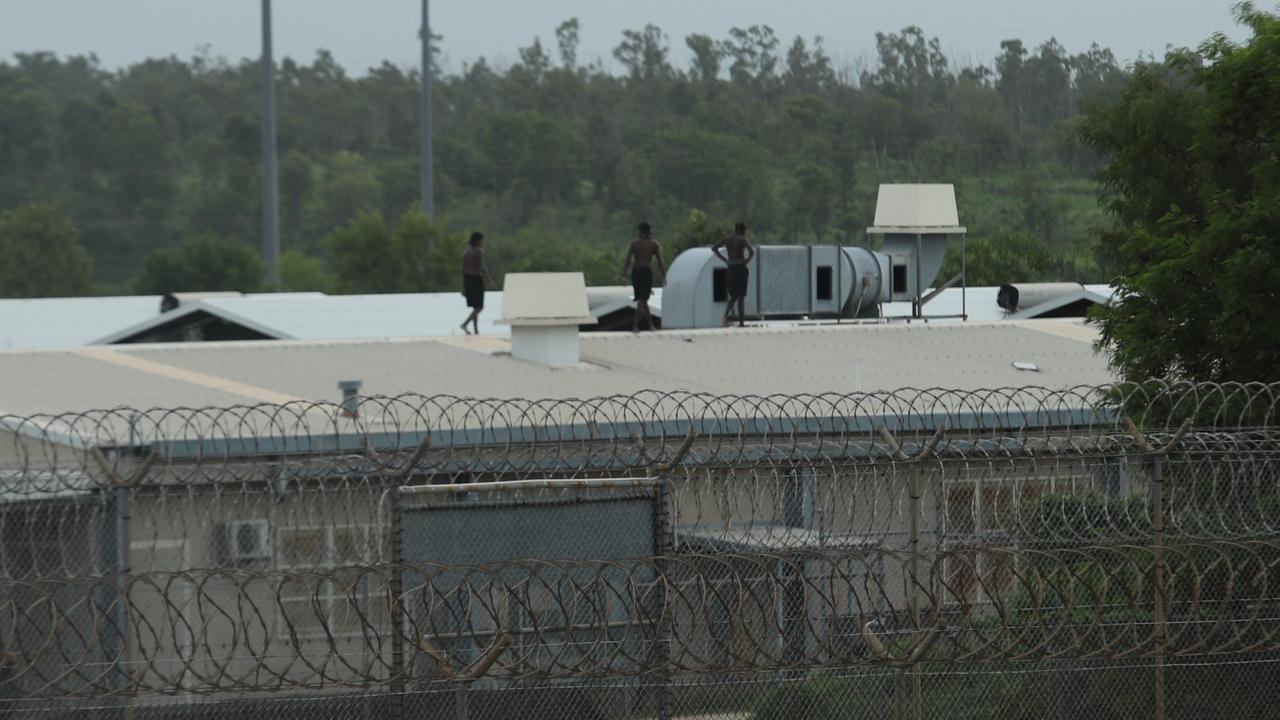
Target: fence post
{"x":662,"y":534}
{"x":661,"y":548}
{"x":917,"y":691}
{"x":1158,"y":481}
{"x":396,"y":586}
{"x":1162,"y":637}
{"x":913,"y":595}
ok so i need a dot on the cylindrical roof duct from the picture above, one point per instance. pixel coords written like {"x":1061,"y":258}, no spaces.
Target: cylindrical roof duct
{"x":1024,"y":295}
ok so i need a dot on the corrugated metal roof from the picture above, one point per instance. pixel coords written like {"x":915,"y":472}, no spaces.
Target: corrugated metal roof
{"x":75,"y":322}
{"x":315,"y":316}
{"x":981,"y":303}
{"x":765,"y":360}
{"x":69,"y":322}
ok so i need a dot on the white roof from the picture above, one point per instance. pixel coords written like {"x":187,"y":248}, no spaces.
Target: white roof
{"x":316,"y":316}
{"x":765,"y":360}
{"x":980,"y":304}
{"x":68,"y":322}
{"x":73,"y":322}
{"x":1098,"y":294}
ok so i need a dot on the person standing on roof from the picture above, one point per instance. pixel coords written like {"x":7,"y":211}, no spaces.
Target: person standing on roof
{"x":644,"y":250}
{"x":740,"y":252}
{"x":475,"y":276}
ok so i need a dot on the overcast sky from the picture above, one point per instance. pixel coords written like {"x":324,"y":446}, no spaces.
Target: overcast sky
{"x":362,"y":33}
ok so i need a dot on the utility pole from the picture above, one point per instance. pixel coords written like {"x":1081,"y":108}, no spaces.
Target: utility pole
{"x":424,"y":112}
{"x":270,"y":203}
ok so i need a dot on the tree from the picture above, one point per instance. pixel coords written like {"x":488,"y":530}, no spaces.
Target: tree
{"x":1042,"y":209}
{"x":808,"y":71}
{"x":698,"y":230}
{"x":297,"y":178}
{"x":428,"y":262}
{"x":912,"y":69}
{"x":166,"y":149}
{"x":204,"y":263}
{"x":813,"y":190}
{"x":710,"y":170}
{"x":753,"y":51}
{"x":362,"y":259}
{"x":1190,"y":181}
{"x":1008,"y":256}
{"x":42,"y":254}
{"x":644,"y":53}
{"x":26,"y":134}
{"x":707,"y":54}
{"x":415,"y":256}
{"x":567,"y":38}
{"x":300,"y":272}
{"x":535,"y":61}
{"x":350,"y":186}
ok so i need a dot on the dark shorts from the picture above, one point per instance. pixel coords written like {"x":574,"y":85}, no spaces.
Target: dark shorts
{"x":738,"y":277}
{"x":473,"y":289}
{"x":642,"y":283}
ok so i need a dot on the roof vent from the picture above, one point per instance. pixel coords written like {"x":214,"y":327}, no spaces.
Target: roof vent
{"x":350,"y":397}
{"x":1020,"y":296}
{"x":544,"y":311}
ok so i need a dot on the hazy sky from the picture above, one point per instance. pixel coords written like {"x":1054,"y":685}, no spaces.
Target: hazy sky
{"x":362,"y":33}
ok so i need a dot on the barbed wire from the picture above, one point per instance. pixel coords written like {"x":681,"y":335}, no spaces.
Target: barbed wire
{"x":423,"y":541}
{"x":423,"y":435}
{"x":239,"y":630}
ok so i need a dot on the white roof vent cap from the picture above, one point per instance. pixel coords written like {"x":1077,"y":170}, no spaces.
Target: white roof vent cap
{"x":544,"y":311}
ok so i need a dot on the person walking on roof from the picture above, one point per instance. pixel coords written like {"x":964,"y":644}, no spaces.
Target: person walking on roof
{"x":475,"y":276}
{"x":740,"y":252}
{"x":644,"y":250}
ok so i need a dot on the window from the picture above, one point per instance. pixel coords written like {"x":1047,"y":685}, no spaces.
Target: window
{"x":823,"y":283}
{"x":342,"y":600}
{"x":980,"y":510}
{"x":899,"y":278}
{"x":719,"y":285}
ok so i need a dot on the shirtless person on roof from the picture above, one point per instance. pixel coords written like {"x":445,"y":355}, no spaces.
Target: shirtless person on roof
{"x":474,"y":276}
{"x":644,"y":250}
{"x":740,"y":252}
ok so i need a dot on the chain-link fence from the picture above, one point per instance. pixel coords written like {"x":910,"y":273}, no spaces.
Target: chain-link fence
{"x":1090,"y":553}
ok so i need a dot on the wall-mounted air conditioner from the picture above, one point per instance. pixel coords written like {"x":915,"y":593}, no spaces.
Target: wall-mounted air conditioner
{"x":245,"y":540}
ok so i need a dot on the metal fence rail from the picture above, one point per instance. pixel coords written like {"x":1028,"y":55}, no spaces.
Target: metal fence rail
{"x":1078,"y":553}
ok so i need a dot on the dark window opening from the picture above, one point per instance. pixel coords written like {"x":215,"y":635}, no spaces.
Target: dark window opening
{"x":824,"y":283}
{"x":720,"y":285}
{"x":899,"y":278}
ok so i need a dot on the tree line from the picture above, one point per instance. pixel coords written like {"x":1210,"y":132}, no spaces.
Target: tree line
{"x":154,"y":169}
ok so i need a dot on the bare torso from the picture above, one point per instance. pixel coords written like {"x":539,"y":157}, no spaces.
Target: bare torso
{"x":644,"y":250}
{"x":473,"y":262}
{"x":735,"y":247}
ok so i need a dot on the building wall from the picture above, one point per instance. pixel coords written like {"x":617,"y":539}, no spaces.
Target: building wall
{"x":201,"y":618}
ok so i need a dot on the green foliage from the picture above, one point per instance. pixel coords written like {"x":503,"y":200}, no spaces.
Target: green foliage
{"x":1008,"y":256}
{"x":42,"y":254}
{"x":698,"y":230}
{"x":415,"y":256}
{"x":815,"y":699}
{"x":1192,"y":181}
{"x":1084,"y":518}
{"x":540,"y":251}
{"x":205,"y":263}
{"x":550,"y":151}
{"x":300,"y":272}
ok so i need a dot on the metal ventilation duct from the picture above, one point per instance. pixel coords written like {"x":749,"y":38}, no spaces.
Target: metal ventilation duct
{"x":795,"y":281}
